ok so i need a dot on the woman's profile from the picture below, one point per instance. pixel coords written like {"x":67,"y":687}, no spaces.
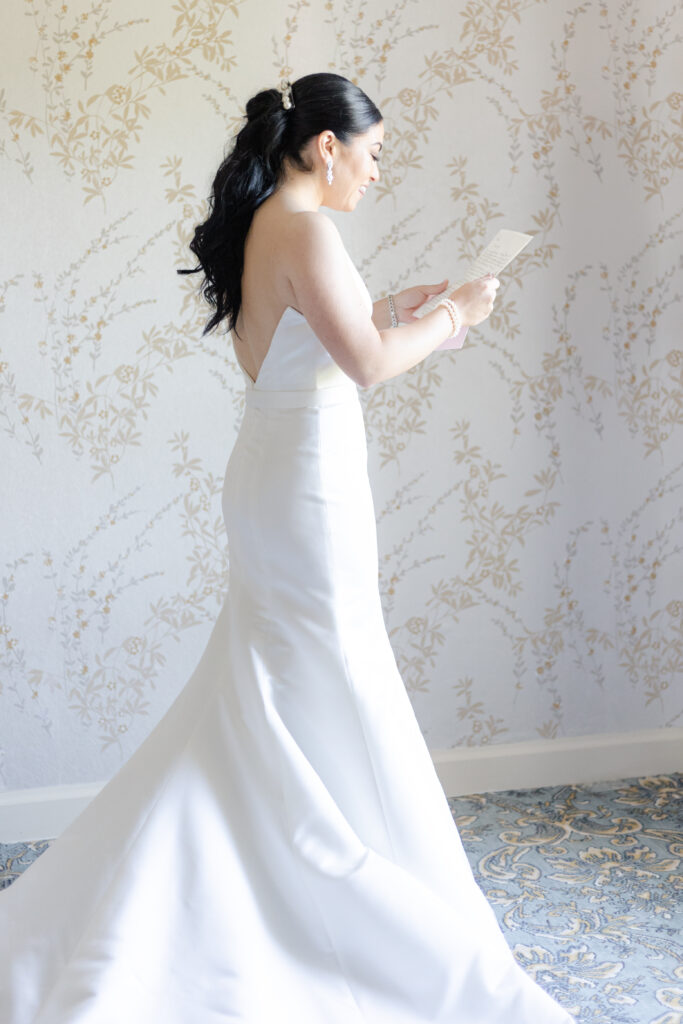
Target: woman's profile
{"x":279,"y":850}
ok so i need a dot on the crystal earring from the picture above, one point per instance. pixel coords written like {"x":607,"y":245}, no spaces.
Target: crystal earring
{"x":330,"y":175}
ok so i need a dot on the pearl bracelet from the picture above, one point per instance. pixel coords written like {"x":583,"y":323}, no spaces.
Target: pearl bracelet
{"x":392,"y":310}
{"x":454,"y":313}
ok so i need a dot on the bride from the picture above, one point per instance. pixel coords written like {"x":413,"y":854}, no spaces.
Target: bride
{"x":279,"y":849}
{"x":324,"y":149}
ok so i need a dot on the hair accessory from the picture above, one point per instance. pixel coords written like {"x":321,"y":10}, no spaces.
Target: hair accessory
{"x":453,"y":312}
{"x":286,"y":94}
{"x":392,"y":310}
{"x":330,"y":175}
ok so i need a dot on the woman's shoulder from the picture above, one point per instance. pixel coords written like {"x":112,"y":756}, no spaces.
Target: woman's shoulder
{"x":304,"y":248}
{"x":302,"y":233}
{"x":310,"y":231}
{"x":315,"y":245}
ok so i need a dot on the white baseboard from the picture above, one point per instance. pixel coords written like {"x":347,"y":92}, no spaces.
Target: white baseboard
{"x":603,"y":757}
{"x":45,"y":812}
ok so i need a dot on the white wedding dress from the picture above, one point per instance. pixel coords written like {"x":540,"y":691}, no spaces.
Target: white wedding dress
{"x":279,"y":850}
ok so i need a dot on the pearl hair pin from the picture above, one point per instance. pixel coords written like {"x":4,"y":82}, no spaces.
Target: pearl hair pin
{"x":286,"y":94}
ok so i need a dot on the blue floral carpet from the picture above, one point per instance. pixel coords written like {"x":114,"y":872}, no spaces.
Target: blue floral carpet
{"x":587,"y":885}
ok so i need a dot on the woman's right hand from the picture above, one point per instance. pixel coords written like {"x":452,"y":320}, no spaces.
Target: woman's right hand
{"x":475,"y":299}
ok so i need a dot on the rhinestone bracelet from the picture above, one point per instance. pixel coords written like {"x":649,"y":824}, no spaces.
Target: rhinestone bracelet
{"x":392,"y":310}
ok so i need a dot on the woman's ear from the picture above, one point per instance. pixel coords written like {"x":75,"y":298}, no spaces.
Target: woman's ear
{"x":326,"y":144}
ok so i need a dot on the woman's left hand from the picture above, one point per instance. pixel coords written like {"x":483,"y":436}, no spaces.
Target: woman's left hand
{"x":410,"y":299}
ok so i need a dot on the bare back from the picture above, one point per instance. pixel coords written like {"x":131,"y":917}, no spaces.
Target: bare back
{"x":294,"y":257}
{"x":266,"y":289}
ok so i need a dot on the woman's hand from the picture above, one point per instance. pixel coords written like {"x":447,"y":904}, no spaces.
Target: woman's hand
{"x":410,"y":299}
{"x":475,"y":299}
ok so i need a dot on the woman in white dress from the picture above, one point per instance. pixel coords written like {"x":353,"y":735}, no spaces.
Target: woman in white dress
{"x":279,"y":849}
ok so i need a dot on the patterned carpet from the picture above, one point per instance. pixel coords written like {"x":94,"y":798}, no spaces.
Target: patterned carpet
{"x":586,"y":883}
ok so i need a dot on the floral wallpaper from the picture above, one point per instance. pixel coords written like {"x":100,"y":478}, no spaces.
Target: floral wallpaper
{"x":527,"y":487}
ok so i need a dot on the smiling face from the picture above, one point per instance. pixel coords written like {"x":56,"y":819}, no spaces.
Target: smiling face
{"x":355,"y":167}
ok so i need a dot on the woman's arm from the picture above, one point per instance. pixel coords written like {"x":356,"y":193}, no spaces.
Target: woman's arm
{"x":407,"y":345}
{"x":321,"y":280}
{"x":381,"y":317}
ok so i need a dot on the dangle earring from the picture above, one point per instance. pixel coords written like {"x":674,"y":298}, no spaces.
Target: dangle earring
{"x":330,"y":175}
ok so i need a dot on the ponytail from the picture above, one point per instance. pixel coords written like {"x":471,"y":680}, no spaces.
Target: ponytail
{"x":254,"y":168}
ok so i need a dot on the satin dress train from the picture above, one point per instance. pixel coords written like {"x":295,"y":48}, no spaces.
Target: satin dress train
{"x":279,"y":850}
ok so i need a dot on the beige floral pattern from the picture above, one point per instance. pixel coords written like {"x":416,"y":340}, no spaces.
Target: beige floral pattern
{"x":527,"y":487}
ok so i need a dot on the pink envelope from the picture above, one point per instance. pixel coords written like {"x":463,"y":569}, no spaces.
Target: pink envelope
{"x":457,"y":341}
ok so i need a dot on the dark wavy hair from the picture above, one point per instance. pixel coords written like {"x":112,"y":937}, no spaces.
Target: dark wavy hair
{"x":254,"y":168}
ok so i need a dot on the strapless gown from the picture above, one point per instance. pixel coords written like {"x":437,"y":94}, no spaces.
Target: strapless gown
{"x":279,"y":849}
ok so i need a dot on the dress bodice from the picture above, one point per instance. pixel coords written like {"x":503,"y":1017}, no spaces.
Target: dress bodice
{"x":296,"y":359}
